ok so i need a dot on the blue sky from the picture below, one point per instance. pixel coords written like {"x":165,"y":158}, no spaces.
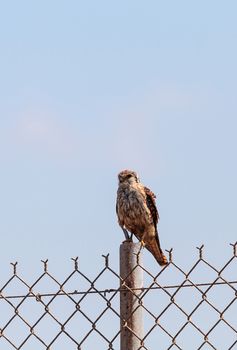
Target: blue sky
{"x":90,"y":88}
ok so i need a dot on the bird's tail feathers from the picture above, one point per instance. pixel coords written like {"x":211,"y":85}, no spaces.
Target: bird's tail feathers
{"x":156,"y":251}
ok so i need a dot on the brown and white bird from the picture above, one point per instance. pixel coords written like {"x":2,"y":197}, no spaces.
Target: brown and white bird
{"x":137,"y":213}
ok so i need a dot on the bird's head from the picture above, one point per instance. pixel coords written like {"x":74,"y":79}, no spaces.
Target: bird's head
{"x":128,"y":177}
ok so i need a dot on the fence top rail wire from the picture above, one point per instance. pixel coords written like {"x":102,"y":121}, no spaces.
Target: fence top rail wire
{"x":112,"y":290}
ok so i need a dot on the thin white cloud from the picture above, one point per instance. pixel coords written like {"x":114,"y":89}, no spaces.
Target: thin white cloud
{"x":136,"y":127}
{"x":45,"y":133}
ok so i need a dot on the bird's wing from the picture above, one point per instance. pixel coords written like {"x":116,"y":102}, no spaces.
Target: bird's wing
{"x":151,"y":204}
{"x":154,"y":245}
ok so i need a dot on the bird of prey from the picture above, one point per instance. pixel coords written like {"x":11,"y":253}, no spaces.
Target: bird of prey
{"x":137,"y":213}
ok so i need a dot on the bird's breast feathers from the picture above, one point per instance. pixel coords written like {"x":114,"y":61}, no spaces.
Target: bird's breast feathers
{"x":132,"y":209}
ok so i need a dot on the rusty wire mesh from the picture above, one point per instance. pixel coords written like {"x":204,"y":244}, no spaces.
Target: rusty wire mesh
{"x":194,"y":309}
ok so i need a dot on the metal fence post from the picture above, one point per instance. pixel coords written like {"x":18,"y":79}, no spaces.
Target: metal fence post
{"x":131,"y":311}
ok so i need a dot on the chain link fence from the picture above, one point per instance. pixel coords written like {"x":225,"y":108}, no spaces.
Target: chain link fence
{"x":186,"y":310}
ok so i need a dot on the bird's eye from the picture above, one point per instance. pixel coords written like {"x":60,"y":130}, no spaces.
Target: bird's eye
{"x":130,"y":175}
